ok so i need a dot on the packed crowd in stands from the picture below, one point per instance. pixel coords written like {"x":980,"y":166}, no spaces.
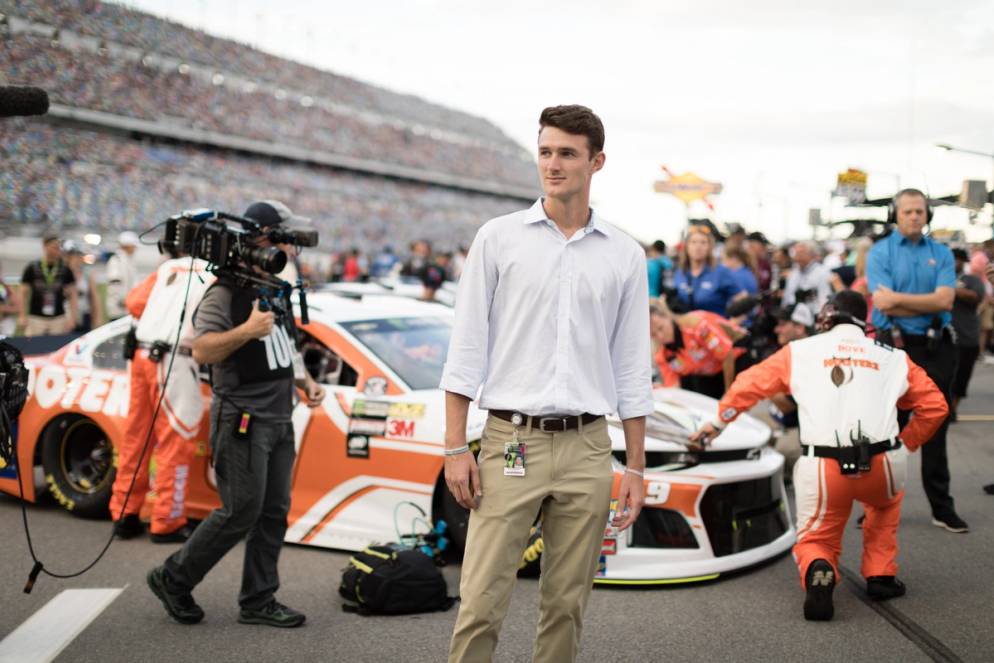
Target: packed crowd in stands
{"x":115,"y":23}
{"x":62,"y":177}
{"x":89,"y":80}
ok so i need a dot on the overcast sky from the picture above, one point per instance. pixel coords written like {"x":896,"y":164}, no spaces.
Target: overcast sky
{"x":768,"y":97}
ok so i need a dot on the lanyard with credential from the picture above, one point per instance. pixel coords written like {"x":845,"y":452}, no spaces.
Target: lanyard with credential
{"x":50,"y":274}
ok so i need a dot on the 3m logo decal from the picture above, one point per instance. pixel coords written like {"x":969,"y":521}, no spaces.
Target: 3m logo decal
{"x":400,"y":428}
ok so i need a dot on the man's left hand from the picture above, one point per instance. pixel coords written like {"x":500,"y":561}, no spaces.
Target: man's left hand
{"x":631,"y":496}
{"x":703,"y":437}
{"x":314,"y":393}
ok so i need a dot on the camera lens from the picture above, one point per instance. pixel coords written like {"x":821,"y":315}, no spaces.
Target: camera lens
{"x":267,"y":258}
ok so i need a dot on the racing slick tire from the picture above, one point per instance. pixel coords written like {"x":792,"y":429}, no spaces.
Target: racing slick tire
{"x":456,"y":518}
{"x":78,"y":460}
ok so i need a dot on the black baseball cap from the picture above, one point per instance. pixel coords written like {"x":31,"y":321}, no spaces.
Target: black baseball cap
{"x":273,"y":213}
{"x":799,"y":313}
{"x":757,"y":236}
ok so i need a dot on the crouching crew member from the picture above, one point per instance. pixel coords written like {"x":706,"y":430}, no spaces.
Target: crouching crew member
{"x":696,"y":350}
{"x":157,"y":304}
{"x":848,"y":389}
{"x":253,"y":364}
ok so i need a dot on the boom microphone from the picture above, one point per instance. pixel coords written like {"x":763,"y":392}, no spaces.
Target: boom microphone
{"x":16,"y":101}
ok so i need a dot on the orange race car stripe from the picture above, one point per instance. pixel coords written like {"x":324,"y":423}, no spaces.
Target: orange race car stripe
{"x":338,"y":508}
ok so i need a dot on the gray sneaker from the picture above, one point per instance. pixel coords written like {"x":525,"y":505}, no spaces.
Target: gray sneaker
{"x":177,"y":602}
{"x":273,"y":613}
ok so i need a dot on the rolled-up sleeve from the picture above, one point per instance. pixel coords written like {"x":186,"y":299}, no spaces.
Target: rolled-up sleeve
{"x":630,"y":352}
{"x":466,"y":363}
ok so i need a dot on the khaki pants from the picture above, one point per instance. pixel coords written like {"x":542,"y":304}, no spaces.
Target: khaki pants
{"x":42,"y":326}
{"x":569,"y":478}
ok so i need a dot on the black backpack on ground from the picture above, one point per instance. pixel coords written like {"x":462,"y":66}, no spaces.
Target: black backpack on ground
{"x":383,"y":581}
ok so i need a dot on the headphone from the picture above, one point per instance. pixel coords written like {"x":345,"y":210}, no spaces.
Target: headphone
{"x":892,"y":205}
{"x":830,"y":315}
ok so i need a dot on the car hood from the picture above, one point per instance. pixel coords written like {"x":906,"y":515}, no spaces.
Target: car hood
{"x":679,"y":412}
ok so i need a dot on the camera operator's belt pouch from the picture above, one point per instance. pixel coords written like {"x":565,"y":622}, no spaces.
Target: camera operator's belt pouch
{"x":158,"y":349}
{"x":243,"y":427}
{"x":853,"y":458}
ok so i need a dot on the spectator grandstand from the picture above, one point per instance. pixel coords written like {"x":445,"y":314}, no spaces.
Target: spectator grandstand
{"x":65,"y":177}
{"x":129,"y":88}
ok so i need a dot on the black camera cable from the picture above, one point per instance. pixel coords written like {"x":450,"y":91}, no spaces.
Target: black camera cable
{"x":39,"y":566}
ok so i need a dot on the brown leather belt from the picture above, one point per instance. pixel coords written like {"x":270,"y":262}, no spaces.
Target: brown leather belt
{"x":550,"y":423}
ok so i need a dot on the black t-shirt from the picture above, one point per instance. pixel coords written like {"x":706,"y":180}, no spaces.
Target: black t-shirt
{"x":258,"y":376}
{"x":965,"y":319}
{"x":48,"y":283}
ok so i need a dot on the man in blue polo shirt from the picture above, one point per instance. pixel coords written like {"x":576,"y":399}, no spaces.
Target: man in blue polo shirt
{"x":913,"y":281}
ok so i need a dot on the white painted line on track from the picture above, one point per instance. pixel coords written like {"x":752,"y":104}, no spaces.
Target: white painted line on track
{"x":46,"y":633}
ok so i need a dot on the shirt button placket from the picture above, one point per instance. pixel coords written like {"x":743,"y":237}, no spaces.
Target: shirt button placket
{"x":562,"y":330}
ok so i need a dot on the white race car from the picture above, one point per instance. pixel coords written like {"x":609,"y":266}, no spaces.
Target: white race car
{"x":370,"y":459}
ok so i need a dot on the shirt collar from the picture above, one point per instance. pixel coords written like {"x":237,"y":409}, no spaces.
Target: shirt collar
{"x":846,"y":327}
{"x":904,"y":241}
{"x":536,"y":213}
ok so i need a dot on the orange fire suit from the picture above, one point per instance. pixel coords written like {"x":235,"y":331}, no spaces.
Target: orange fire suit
{"x":706,"y":343}
{"x":846,"y":384}
{"x":157,"y":303}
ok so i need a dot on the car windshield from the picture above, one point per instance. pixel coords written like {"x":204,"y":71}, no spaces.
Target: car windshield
{"x":414,"y":348}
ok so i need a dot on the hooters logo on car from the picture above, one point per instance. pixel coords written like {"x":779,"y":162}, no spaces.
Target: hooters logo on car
{"x":90,"y":390}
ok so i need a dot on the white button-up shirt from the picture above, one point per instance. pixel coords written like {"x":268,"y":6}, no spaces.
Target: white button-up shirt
{"x":552,"y":326}
{"x":815,"y":277}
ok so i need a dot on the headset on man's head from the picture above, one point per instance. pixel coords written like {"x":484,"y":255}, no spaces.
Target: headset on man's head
{"x":830,"y":315}
{"x":892,"y":205}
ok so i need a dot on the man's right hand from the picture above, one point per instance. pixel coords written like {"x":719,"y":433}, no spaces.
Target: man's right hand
{"x":259,"y":323}
{"x":462,"y":475}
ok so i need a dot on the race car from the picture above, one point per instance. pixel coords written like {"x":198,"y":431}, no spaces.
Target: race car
{"x":369,"y":462}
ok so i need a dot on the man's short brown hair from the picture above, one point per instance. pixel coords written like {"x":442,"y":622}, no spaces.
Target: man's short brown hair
{"x":576,"y":120}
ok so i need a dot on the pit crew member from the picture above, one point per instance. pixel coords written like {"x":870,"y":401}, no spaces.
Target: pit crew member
{"x":848,"y":389}
{"x":157,"y":303}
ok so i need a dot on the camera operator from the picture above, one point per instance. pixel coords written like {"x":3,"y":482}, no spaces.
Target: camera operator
{"x":254,"y":368}
{"x":810,"y":281}
{"x":157,"y":303}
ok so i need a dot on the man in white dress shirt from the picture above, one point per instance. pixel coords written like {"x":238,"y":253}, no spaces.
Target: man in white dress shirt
{"x":551,"y":322}
{"x":810,"y":281}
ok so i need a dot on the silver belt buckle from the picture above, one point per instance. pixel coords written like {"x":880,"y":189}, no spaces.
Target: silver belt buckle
{"x":543,"y":420}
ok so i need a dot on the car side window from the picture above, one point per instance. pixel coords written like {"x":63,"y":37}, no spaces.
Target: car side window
{"x":109,"y":354}
{"x":324,"y":364}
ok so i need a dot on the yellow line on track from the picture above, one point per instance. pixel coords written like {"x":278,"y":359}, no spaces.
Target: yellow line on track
{"x":974,"y":417}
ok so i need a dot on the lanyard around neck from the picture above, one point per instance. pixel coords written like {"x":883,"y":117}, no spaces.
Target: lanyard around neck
{"x":50,"y":274}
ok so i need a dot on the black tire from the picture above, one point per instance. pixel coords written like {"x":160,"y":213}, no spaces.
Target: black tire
{"x":78,"y":460}
{"x":456,"y":518}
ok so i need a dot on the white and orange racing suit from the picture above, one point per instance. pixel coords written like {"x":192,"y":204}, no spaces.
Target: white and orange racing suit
{"x":157,"y":304}
{"x":846,"y":384}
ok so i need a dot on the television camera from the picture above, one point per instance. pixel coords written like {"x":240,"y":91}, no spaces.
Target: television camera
{"x":230,"y":245}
